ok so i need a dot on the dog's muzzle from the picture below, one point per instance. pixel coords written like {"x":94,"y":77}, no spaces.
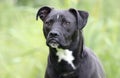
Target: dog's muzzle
{"x":53,"y":39}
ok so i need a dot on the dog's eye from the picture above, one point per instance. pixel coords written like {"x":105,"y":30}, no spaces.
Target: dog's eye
{"x":66,"y":23}
{"x":49,"y":22}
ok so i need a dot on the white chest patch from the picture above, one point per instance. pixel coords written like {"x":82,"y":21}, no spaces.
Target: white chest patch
{"x":66,"y":55}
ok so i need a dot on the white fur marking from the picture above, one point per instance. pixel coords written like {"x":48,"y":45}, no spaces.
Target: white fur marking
{"x":54,"y":45}
{"x":58,"y":16}
{"x":66,"y":55}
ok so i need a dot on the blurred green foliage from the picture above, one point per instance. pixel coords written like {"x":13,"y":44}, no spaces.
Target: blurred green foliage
{"x":23,"y":53}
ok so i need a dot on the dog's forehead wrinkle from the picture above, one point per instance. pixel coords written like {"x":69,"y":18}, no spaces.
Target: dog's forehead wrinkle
{"x":54,"y":12}
{"x":58,"y":16}
{"x":61,"y":14}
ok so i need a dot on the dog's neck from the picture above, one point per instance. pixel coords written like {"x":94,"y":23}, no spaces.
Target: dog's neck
{"x":77,"y":43}
{"x":71,"y":55}
{"x":67,"y":56}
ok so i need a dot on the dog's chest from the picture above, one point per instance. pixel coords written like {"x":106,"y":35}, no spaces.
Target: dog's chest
{"x":66,"y":55}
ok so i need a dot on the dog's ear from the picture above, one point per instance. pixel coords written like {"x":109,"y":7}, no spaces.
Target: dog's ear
{"x":43,"y":12}
{"x":81,"y":17}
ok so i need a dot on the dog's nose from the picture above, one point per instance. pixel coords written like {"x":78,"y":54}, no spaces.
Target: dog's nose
{"x":53,"y":34}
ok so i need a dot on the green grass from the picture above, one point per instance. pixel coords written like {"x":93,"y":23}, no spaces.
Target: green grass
{"x":23,"y":53}
{"x":22,"y":46}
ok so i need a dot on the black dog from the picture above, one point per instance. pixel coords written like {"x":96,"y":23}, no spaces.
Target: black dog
{"x":68,"y":57}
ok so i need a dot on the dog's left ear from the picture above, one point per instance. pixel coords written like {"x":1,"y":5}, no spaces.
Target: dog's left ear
{"x":81,"y":17}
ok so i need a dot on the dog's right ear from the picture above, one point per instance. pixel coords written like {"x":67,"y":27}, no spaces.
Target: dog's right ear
{"x":43,"y":12}
{"x":81,"y":17}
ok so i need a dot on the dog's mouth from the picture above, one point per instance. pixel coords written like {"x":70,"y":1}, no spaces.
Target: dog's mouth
{"x":53,"y":43}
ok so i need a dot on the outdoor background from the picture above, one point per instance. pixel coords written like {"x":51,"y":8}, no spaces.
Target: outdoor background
{"x":23,"y":52}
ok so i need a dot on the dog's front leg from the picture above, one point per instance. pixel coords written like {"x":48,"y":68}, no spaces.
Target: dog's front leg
{"x":50,"y":73}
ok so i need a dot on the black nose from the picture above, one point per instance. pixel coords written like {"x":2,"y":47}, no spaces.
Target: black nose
{"x":54,"y":34}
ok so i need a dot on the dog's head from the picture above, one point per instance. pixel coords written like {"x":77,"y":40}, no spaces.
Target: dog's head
{"x":60,"y":26}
